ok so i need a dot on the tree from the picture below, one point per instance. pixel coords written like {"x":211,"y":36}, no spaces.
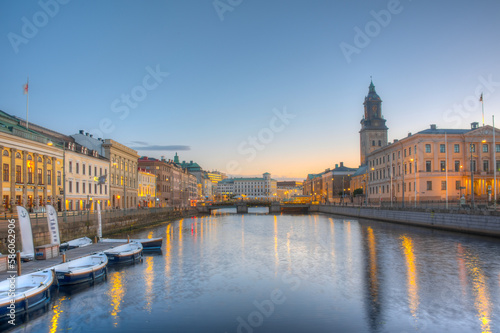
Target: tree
{"x":358,"y":191}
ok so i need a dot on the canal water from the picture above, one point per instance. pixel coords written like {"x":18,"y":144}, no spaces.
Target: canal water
{"x":291,"y":273}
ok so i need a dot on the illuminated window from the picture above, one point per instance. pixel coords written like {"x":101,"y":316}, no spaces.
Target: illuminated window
{"x":5,"y":172}
{"x":457,"y":166}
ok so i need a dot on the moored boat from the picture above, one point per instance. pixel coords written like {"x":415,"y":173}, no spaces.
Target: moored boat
{"x":73,"y":244}
{"x":26,"y":292}
{"x":148,"y":244}
{"x":123,"y":254}
{"x":85,"y":269}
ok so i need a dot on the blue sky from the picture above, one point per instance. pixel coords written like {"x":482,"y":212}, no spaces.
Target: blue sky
{"x":246,"y":86}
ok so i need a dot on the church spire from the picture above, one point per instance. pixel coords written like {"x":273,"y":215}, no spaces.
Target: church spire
{"x":371,"y":87}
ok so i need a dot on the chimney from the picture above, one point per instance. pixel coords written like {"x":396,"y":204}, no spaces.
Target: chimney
{"x":91,"y":135}
{"x":474,"y":125}
{"x":162,"y":158}
{"x":396,"y":140}
{"x":336,"y":166}
{"x":86,"y":133}
{"x":409,"y":134}
{"x":341,"y":164}
{"x":81,"y":131}
{"x":433,"y":126}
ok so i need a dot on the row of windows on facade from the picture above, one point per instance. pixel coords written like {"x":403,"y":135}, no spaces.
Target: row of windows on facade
{"x":30,"y":175}
{"x":381,"y":174}
{"x":123,"y":165}
{"x":77,"y":169}
{"x":83,"y":187}
{"x":385,"y":189}
{"x":442,"y":149}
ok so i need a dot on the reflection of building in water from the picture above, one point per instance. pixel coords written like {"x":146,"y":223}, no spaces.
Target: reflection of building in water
{"x":373,"y":296}
{"x":479,"y":287}
{"x":148,"y":282}
{"x":412,"y":283}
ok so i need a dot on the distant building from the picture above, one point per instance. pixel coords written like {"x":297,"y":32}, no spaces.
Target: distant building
{"x":288,"y":189}
{"x":147,"y":188}
{"x":255,"y":188}
{"x":332,"y":185}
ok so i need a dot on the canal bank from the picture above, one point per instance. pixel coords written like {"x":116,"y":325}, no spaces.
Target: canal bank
{"x":485,"y":224}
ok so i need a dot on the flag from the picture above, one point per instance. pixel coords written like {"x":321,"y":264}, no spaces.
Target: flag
{"x":481,"y":98}
{"x":26,"y":87}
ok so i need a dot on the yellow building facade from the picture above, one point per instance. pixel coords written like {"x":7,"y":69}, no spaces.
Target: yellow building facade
{"x":436,"y":165}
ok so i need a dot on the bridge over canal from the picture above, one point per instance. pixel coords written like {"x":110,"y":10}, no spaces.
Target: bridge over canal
{"x":242,"y":208}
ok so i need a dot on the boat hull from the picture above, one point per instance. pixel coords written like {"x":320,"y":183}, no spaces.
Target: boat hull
{"x":79,"y":271}
{"x":29,"y":300}
{"x":116,"y":259}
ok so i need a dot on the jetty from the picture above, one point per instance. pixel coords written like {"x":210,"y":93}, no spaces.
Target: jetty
{"x":36,"y":265}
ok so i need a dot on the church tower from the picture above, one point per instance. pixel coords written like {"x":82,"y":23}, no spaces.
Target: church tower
{"x":373,"y":133}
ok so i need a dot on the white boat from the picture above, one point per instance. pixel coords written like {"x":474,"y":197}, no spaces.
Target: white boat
{"x":148,"y":244}
{"x":72,"y":244}
{"x":81,"y":270}
{"x":31,"y":291}
{"x":28,"y":248}
{"x":127,"y":253}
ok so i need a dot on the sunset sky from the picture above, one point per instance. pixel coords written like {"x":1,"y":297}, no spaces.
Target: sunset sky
{"x":246,"y":87}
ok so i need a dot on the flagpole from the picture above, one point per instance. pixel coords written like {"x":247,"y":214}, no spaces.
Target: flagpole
{"x":27,"y":100}
{"x":482,"y":105}
{"x":446,"y":166}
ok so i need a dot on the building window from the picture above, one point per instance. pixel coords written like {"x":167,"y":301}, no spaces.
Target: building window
{"x":409,"y":151}
{"x":40,"y":177}
{"x":485,"y":148}
{"x":486,"y":165}
{"x":399,"y":153}
{"x":90,"y":170}
{"x":83,"y":169}
{"x":70,"y":166}
{"x":405,"y":169}
{"x":443,"y":166}
{"x":58,"y":178}
{"x":428,"y":167}
{"x":427,"y":148}
{"x":379,"y":143}
{"x":498,"y":165}
{"x":405,"y":153}
{"x":409,"y":186}
{"x":30,"y":175}
{"x":49,"y":177}
{"x":443,"y":185}
{"x":77,"y":168}
{"x":5,"y":172}
{"x":457,"y":185}
{"x":77,"y":187}
{"x":429,"y":185}
{"x":473,"y":165}
{"x":70,"y":186}
{"x":497,"y":148}
{"x":456,"y":148}
{"x":90,"y":188}
{"x":442,"y":148}
{"x":83,"y":187}
{"x":457,"y":166}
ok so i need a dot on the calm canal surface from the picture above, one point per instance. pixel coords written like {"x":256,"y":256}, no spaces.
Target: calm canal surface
{"x":291,"y":273}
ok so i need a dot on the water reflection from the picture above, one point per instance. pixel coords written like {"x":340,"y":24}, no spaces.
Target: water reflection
{"x":412,"y":282}
{"x":56,"y":312}
{"x":333,"y":275}
{"x":479,"y":287}
{"x":148,"y":283}
{"x":116,"y":294}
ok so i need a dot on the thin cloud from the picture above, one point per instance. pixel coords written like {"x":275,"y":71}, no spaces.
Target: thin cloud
{"x":160,"y":148}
